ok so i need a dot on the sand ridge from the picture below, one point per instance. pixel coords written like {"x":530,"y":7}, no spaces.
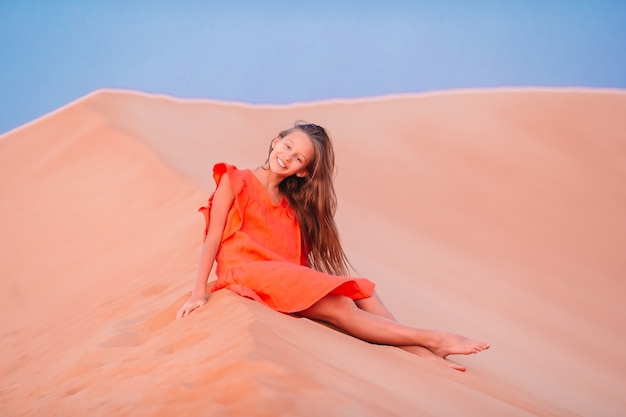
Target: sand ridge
{"x":496,"y":213}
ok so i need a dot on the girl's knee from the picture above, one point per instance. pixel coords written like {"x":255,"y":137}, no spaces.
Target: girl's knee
{"x":341,"y":303}
{"x":331,"y":308}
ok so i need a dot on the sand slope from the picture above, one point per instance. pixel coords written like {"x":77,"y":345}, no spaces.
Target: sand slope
{"x":498,"y":214}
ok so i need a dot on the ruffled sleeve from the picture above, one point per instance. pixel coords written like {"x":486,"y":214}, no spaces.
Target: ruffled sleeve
{"x":235,"y":215}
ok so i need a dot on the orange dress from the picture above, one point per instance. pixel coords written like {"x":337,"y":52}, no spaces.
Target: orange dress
{"x":261,"y":255}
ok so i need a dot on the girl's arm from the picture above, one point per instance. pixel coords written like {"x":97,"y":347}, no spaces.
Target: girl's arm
{"x":222,"y":201}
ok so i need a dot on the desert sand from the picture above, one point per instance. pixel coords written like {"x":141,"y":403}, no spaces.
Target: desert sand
{"x":499,"y":214}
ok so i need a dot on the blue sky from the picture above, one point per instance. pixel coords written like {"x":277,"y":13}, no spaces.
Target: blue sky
{"x":53,"y":52}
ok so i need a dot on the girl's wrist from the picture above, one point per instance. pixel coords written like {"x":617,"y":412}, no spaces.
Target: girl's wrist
{"x":198,"y":293}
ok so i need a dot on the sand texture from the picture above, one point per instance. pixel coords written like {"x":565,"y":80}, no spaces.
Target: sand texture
{"x":498,"y":214}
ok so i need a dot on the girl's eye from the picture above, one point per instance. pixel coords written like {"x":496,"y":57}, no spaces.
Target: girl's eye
{"x":288,"y":147}
{"x":300,"y":160}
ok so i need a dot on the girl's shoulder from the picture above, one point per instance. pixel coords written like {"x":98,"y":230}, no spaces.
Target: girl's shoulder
{"x":222,"y":168}
{"x":238,"y":178}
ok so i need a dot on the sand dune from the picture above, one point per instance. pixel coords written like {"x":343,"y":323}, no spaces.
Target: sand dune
{"x":499,"y":214}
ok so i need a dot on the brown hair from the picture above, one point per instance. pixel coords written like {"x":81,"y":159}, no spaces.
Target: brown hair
{"x":314,"y":202}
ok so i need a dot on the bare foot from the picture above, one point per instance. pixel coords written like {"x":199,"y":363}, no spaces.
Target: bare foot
{"x":453,"y":344}
{"x":422,"y":352}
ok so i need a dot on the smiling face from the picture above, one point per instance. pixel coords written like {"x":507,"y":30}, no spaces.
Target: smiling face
{"x":292,"y":154}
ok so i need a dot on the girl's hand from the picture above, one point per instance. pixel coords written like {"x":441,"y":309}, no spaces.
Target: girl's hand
{"x":193,"y":303}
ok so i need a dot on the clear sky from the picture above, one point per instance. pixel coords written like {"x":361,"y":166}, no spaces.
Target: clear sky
{"x":53,"y":52}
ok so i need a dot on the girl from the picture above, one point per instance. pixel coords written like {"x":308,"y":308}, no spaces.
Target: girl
{"x":272,"y":232}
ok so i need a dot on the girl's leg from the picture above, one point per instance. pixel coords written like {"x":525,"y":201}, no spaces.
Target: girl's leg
{"x":342,"y":312}
{"x":375,"y":305}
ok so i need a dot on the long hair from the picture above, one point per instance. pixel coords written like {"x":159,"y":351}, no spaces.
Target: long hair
{"x":314,"y":202}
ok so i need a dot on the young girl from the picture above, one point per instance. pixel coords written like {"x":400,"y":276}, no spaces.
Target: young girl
{"x":272,"y":232}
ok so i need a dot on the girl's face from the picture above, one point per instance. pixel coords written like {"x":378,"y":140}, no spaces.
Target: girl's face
{"x":292,"y":154}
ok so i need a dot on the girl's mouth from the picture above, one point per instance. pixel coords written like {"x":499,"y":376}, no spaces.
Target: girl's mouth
{"x":280,"y":162}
